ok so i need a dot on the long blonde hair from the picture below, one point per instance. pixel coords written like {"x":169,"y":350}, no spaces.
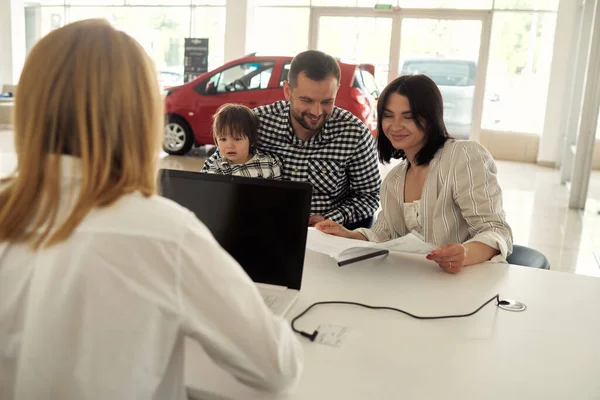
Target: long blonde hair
{"x":89,"y":91}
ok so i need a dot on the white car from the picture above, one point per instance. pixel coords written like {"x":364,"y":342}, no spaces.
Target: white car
{"x":456,"y":81}
{"x":168,"y":79}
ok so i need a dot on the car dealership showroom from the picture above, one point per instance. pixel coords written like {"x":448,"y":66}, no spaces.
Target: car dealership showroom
{"x":496,"y":146}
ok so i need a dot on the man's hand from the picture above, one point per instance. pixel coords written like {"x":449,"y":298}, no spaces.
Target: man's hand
{"x":335,"y":229}
{"x":315,"y":219}
{"x":451,"y":258}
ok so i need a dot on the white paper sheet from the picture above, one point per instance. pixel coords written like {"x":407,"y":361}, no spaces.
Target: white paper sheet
{"x":336,"y":246}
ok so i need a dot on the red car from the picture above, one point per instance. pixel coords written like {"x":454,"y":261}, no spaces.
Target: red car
{"x":253,"y":81}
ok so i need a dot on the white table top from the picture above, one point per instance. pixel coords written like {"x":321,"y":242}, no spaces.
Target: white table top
{"x":550,"y":351}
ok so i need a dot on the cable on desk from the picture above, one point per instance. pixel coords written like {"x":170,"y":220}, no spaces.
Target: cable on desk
{"x":313,"y":336}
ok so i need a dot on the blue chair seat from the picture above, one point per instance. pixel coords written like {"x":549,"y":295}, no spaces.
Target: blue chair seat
{"x":528,"y":257}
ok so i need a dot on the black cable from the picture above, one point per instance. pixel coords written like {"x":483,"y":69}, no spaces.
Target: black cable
{"x":313,"y":336}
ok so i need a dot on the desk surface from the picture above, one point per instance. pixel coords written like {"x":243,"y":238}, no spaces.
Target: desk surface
{"x":550,"y":351}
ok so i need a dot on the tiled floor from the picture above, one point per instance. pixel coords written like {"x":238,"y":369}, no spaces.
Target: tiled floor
{"x":534,"y":200}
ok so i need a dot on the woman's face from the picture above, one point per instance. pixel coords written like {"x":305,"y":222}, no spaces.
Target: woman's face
{"x":399,"y":125}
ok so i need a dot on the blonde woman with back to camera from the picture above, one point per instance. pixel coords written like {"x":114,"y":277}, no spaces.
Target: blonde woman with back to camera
{"x":101,"y":279}
{"x":444,"y":189}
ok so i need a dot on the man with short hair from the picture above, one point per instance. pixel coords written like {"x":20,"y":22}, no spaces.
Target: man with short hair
{"x":322,"y":144}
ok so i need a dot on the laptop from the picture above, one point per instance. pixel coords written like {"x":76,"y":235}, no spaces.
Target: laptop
{"x":261,"y":223}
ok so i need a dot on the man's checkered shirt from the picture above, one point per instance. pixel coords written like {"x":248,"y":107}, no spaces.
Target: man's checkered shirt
{"x":259,"y":166}
{"x":340,"y":162}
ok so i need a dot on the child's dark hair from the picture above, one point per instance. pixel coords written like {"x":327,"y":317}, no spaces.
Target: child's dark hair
{"x":236,"y":120}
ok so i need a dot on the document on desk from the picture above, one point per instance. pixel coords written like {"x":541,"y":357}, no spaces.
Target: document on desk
{"x":332,"y":335}
{"x":346,"y":251}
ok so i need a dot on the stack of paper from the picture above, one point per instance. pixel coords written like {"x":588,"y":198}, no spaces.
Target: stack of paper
{"x":347,"y":251}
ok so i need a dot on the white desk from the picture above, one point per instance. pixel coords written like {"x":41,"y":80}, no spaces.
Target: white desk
{"x":550,"y":351}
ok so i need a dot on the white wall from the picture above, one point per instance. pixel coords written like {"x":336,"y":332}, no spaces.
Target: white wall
{"x":561,"y":70}
{"x":12,"y":40}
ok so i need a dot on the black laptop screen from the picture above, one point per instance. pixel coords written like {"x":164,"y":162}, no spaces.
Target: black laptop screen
{"x":261,"y":223}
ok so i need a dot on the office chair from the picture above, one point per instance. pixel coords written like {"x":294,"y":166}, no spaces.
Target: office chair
{"x":528,"y":257}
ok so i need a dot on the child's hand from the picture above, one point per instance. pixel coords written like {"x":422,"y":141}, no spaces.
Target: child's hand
{"x":315,"y":219}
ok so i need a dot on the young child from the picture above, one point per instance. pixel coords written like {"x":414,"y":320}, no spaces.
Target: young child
{"x":235,"y":130}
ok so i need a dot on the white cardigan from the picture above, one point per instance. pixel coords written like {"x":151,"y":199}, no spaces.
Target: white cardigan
{"x":461,"y":201}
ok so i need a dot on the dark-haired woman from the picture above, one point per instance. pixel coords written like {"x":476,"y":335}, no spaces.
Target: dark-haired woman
{"x":444,"y":189}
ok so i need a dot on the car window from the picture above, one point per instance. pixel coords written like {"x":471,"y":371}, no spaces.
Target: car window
{"x":443,"y":72}
{"x":213,"y":82}
{"x":365,"y":81}
{"x":261,"y":81}
{"x":284,"y":73}
{"x":242,"y":77}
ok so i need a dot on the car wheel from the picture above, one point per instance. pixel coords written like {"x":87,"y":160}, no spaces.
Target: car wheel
{"x":179,"y":138}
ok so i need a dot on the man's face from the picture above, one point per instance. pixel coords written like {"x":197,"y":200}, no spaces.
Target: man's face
{"x":311,"y":102}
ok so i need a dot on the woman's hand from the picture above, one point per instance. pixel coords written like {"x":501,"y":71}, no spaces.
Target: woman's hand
{"x":451,"y":258}
{"x":335,"y":229}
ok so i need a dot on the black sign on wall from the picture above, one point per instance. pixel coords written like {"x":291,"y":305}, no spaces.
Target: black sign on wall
{"x":195,"y":60}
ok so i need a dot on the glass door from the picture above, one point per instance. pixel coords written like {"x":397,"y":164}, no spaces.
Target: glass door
{"x":355,"y":37}
{"x":450,"y":46}
{"x":447,"y":51}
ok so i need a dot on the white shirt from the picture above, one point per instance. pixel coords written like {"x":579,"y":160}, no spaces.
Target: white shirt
{"x":412,"y":216}
{"x":104,"y":314}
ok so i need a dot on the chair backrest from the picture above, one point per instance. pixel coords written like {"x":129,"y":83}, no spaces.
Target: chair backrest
{"x":528,"y":257}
